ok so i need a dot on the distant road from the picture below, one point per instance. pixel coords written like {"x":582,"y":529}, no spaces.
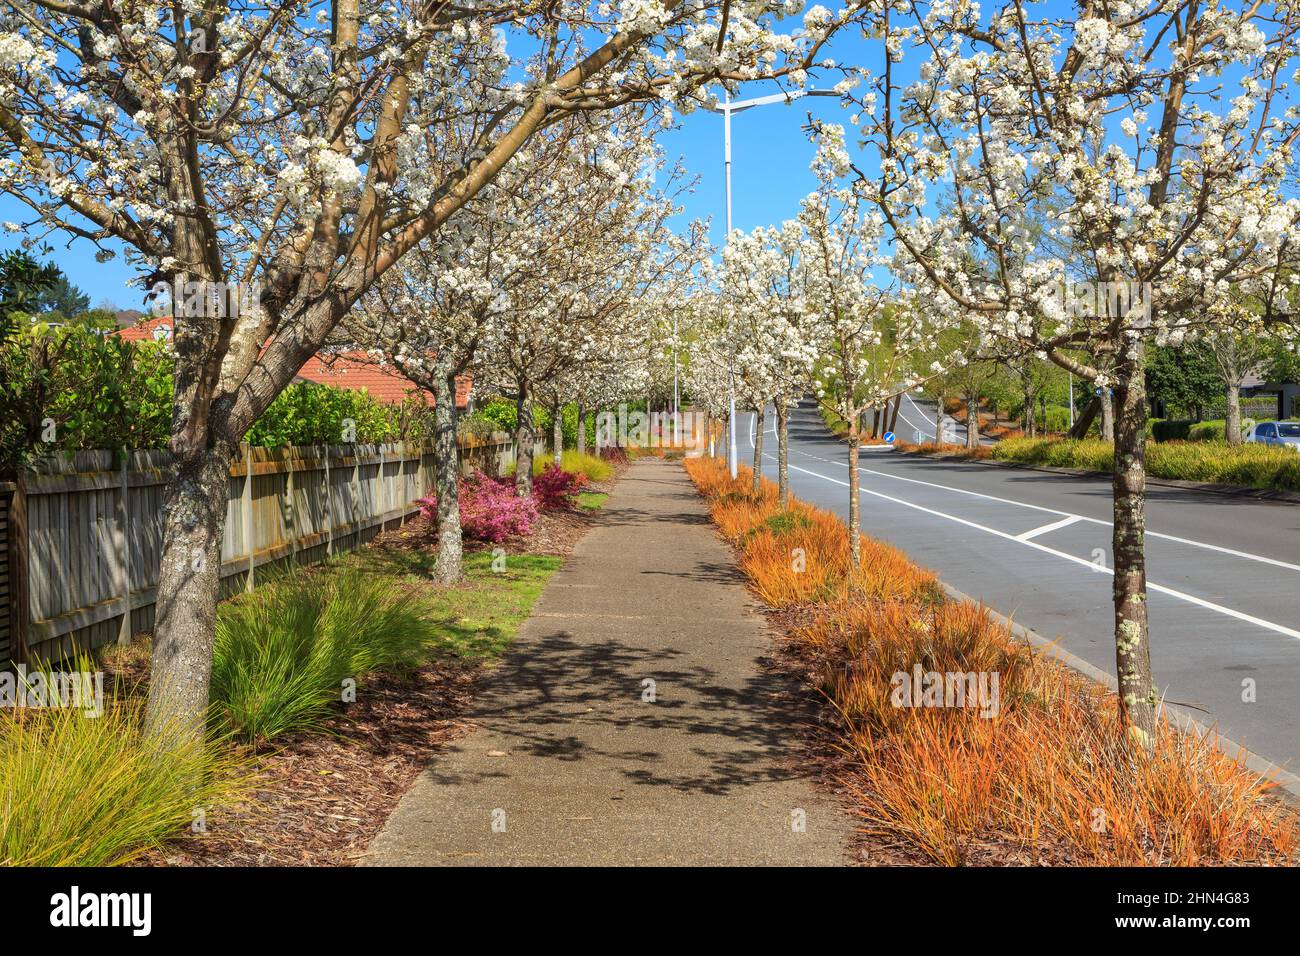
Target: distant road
{"x":1224,"y":572}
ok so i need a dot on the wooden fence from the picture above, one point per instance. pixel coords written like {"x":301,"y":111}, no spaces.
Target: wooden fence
{"x":84,"y":529}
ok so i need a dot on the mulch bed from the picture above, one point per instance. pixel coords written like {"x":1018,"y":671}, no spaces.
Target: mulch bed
{"x":319,"y":799}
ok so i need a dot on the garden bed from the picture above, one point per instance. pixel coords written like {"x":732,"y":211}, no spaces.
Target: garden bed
{"x":1196,"y":466}
{"x":333,"y":687}
{"x":1039,"y":773}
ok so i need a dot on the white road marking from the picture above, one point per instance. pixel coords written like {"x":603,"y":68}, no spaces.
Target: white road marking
{"x":1151,"y":585}
{"x":920,"y":411}
{"x":1056,"y":511}
{"x":1047,"y":527}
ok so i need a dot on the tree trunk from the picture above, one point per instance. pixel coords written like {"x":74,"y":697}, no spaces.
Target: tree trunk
{"x":1107,"y":414}
{"x":760,"y":416}
{"x":582,"y":430}
{"x":972,"y":422}
{"x":1083,"y":421}
{"x":855,"y":519}
{"x":1137,"y":696}
{"x":525,"y":435}
{"x":447,"y":570}
{"x":194,"y":517}
{"x":1030,"y":422}
{"x":1232,"y":427}
{"x":782,"y":453}
{"x":938,"y":421}
{"x":557,"y":433}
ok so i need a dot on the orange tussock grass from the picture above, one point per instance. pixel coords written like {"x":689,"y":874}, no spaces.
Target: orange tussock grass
{"x":945,"y":449}
{"x":799,"y":554}
{"x":1048,"y":767}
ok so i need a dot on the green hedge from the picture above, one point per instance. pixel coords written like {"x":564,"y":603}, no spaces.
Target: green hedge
{"x":306,"y":413}
{"x":1165,"y":430}
{"x":502,"y":414}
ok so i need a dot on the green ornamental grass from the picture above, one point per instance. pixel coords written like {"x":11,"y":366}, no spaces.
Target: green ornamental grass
{"x":283,"y":653}
{"x":1254,"y":465}
{"x":77,"y":790}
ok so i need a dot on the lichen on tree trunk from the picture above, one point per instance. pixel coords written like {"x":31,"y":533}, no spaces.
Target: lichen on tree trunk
{"x":524,"y":439}
{"x":855,"y":518}
{"x":194,"y":515}
{"x":557,"y":433}
{"x":760,"y":417}
{"x":1232,"y":427}
{"x":447,"y":568}
{"x":1137,"y":695}
{"x":1107,"y":404}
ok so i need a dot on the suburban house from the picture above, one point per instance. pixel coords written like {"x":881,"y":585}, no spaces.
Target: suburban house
{"x":353,"y":370}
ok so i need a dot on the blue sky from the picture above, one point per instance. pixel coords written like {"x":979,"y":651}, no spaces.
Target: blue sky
{"x":770,"y":153}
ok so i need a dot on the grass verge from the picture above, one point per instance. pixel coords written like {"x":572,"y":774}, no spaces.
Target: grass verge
{"x":1254,"y":466}
{"x":1001,"y":748}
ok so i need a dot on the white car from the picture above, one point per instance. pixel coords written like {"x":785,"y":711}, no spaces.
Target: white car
{"x":1285,"y":434}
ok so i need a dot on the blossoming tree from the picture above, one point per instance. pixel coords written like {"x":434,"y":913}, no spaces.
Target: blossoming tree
{"x":1155,"y":139}
{"x":871,"y":338}
{"x":295,"y":148}
{"x":763,"y":288}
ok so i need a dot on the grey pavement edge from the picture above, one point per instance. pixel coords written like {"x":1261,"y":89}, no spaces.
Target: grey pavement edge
{"x":570,"y":763}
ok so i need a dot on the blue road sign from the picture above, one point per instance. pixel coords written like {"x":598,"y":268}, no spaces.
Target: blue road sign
{"x":889,"y":438}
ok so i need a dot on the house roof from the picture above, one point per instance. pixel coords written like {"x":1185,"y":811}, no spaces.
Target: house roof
{"x":354,"y":370}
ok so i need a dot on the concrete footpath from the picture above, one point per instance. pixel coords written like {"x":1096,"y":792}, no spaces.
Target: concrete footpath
{"x":573,"y":763}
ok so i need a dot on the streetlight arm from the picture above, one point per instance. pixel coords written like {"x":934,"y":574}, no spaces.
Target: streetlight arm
{"x":789,"y":97}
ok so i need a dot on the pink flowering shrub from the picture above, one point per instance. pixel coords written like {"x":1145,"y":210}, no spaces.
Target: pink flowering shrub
{"x":557,"y":488}
{"x":489,"y":509}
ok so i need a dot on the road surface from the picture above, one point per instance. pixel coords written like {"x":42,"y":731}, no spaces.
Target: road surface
{"x":1224,"y":571}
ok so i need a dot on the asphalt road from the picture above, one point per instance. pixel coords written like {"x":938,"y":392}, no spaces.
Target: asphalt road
{"x":1224,"y":572}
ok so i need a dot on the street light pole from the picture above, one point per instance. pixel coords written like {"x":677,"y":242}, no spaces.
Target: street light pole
{"x":732,"y":455}
{"x":726,"y":109}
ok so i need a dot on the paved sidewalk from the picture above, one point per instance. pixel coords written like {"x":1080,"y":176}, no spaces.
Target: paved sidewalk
{"x":571,"y":760}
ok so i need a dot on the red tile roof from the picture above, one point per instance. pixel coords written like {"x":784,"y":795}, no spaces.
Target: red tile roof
{"x":158,"y":327}
{"x":355,"y":370}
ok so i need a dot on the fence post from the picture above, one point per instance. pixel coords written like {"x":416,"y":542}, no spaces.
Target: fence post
{"x":329,"y":504}
{"x":248,"y":514}
{"x":356,"y":495}
{"x":120,"y":541}
{"x":20,"y":610}
{"x":383,"y":489}
{"x":291,"y":508}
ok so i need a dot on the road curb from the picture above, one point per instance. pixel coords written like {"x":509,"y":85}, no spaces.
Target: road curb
{"x":1236,"y":491}
{"x":1283,"y":778}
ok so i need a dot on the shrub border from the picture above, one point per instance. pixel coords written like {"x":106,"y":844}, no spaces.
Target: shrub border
{"x":1237,"y":491}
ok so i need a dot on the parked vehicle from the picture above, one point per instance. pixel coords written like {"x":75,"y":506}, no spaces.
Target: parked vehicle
{"x":1286,"y":434}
